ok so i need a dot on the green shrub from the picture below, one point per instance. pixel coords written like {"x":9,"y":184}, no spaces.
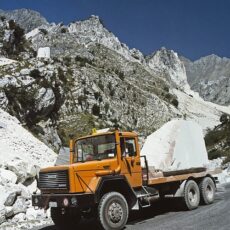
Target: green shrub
{"x":96,"y":110}
{"x":82,"y":60}
{"x":101,"y":85}
{"x":44,"y":31}
{"x":61,"y":75}
{"x":12,"y":24}
{"x":214,"y":136}
{"x":85,"y":91}
{"x":110,"y":86}
{"x":120,"y":74}
{"x":166,"y":88}
{"x":3,"y":18}
{"x":16,"y":43}
{"x":63,"y":30}
{"x":97,"y":95}
{"x":175,"y":102}
{"x":35,"y":73}
{"x":106,"y":107}
{"x":224,"y":118}
{"x":67,"y":61}
{"x":112,"y":92}
{"x":214,"y":154}
{"x":81,"y":99}
{"x":227,"y":159}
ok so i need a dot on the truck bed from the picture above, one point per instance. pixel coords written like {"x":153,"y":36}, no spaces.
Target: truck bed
{"x":155,"y":177}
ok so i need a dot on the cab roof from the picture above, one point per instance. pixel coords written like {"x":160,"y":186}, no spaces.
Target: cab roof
{"x":121,"y":133}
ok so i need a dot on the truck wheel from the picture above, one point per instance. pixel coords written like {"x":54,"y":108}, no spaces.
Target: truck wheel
{"x":113,"y":211}
{"x":207,"y":190}
{"x":191,"y":195}
{"x":68,"y":220}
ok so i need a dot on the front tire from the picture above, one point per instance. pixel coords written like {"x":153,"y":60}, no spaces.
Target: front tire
{"x":207,"y":190}
{"x":191,"y":195}
{"x":113,"y":211}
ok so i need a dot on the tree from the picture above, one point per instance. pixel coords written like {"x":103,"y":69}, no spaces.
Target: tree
{"x":224,"y":118}
{"x":35,"y":73}
{"x":16,"y":42}
{"x":96,"y":110}
{"x":175,"y":102}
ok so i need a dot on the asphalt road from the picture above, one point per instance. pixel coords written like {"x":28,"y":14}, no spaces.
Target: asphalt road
{"x":169,"y":214}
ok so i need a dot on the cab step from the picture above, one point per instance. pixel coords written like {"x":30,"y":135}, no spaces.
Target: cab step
{"x":143,"y":197}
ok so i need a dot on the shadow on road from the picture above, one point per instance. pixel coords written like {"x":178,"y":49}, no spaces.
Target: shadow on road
{"x":158,"y":207}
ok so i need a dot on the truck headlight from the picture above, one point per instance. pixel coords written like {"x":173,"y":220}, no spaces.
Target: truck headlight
{"x":36,"y":200}
{"x":74,"y":201}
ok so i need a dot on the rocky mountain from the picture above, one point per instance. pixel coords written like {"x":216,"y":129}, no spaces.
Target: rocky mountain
{"x":94,"y":80}
{"x":167,"y":64}
{"x":27,"y":19}
{"x":210,"y":77}
{"x":90,"y":79}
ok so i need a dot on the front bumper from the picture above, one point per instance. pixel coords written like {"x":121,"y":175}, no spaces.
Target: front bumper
{"x":80,"y":201}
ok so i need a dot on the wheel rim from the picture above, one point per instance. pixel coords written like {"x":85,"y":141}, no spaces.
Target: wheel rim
{"x":115,"y":212}
{"x":192,"y":196}
{"x":209,"y":192}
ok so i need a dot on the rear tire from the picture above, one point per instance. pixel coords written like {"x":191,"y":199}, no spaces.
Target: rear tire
{"x":207,"y":190}
{"x":191,"y":195}
{"x":68,"y":220}
{"x":113,"y":211}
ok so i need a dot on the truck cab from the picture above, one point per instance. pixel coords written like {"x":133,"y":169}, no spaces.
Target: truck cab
{"x":106,"y":179}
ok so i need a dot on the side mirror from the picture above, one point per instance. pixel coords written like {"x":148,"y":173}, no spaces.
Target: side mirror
{"x":71,"y":136}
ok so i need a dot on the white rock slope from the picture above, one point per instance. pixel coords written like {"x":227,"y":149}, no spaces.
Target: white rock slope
{"x":21,"y":156}
{"x":16,"y":143}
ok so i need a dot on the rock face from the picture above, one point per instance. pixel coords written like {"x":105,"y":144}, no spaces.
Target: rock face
{"x":91,"y":80}
{"x":167,"y":63}
{"x":27,"y":19}
{"x":20,"y":149}
{"x":21,"y":157}
{"x":210,"y":77}
{"x":94,"y":80}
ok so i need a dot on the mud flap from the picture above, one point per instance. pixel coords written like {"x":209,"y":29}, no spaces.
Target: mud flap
{"x":180,"y":191}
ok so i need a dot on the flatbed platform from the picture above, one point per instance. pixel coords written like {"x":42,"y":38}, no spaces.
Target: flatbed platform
{"x":155,"y":178}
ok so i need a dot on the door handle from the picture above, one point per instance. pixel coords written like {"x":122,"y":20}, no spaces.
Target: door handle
{"x":106,"y":166}
{"x":132,"y":161}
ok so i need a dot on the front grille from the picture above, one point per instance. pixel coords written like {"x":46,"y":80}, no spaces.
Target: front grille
{"x":54,"y":180}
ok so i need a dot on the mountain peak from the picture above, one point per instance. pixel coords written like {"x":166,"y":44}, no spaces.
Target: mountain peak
{"x":167,"y":61}
{"x":26,"y":18}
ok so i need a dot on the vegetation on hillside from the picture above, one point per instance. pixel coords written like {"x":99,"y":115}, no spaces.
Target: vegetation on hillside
{"x":218,"y":140}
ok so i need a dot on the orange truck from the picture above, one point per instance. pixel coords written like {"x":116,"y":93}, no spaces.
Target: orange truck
{"x":107,"y":178}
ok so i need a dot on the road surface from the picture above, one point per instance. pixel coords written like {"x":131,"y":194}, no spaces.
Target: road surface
{"x":169,"y":215}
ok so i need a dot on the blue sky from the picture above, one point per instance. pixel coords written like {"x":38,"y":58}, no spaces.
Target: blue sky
{"x":193,"y":28}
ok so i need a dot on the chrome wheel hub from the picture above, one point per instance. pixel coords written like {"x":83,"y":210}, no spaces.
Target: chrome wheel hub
{"x":209,"y":192}
{"x":192,"y":196}
{"x":115,"y":212}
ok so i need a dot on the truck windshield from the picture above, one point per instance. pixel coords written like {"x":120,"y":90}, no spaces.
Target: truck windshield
{"x":95,"y":148}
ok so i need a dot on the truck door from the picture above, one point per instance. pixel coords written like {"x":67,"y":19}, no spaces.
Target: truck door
{"x":130,"y":163}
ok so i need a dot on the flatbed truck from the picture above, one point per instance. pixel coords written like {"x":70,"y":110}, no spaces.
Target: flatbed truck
{"x":107,"y":178}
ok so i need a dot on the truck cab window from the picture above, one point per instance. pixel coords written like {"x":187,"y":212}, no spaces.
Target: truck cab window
{"x":95,"y":148}
{"x":128,"y":147}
